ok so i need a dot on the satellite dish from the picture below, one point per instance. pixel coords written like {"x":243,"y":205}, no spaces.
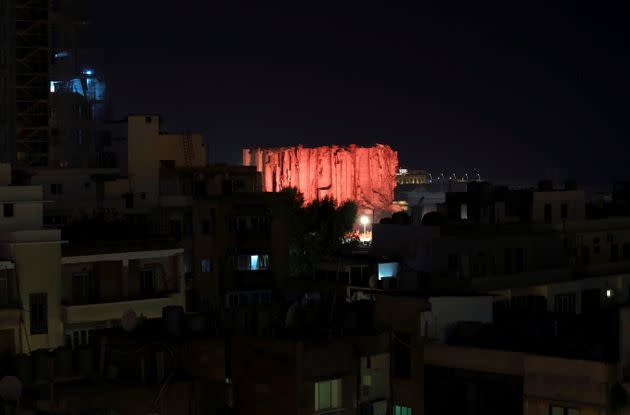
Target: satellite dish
{"x":372,"y":281}
{"x":129,"y":320}
{"x":10,"y":388}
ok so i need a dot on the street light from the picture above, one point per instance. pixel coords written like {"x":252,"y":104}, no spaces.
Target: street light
{"x":364,"y":221}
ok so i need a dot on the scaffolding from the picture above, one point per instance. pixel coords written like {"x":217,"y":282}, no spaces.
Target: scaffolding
{"x":32,"y":57}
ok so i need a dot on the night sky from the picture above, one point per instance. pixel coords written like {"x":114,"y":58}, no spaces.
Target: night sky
{"x":517,"y":92}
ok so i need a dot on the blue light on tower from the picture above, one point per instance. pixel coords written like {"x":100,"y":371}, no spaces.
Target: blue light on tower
{"x":88,"y":72}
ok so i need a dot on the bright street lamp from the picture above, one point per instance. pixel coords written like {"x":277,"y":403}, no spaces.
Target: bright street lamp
{"x":364,"y":221}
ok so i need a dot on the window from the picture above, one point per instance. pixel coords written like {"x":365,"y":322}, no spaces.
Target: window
{"x":83,"y":288}
{"x":169,"y":164}
{"x":147,"y":283}
{"x":402,"y":410}
{"x":596,"y":247}
{"x":56,"y":188}
{"x":87,"y":185}
{"x":625,"y":250}
{"x":38,"y":307}
{"x":463,"y":211}
{"x":205,"y":227}
{"x":76,"y":338}
{"x":251,"y":262}
{"x":564,"y":303}
{"x":328,"y":395}
{"x":564,"y":211}
{"x":9,"y":210}
{"x":205,"y":265}
{"x":560,"y":410}
{"x":147,"y":119}
{"x":548,"y":212}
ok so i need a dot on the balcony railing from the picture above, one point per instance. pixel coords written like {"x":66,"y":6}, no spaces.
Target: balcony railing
{"x":99,"y":300}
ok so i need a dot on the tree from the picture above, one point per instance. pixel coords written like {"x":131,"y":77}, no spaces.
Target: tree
{"x":316,"y":230}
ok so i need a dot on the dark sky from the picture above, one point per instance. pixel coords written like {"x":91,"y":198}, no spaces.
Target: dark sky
{"x":513,"y":91}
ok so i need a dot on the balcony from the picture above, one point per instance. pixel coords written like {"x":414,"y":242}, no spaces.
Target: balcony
{"x":101,"y":311}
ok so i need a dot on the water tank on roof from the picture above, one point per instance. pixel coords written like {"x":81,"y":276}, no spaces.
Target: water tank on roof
{"x":172,"y":317}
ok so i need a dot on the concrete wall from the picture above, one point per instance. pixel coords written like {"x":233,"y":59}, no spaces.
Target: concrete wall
{"x":146,"y":147}
{"x":569,"y":383}
{"x":143,"y":150}
{"x":579,"y":384}
{"x":446,"y":311}
{"x":266,"y":376}
{"x":27,"y":208}
{"x":378,"y":374}
{"x":574,"y":199}
{"x":79,"y":192}
{"x":39,"y":271}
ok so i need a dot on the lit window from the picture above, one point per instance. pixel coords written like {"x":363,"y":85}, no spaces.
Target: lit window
{"x":205,"y":265}
{"x":463,"y":211}
{"x":402,"y":410}
{"x":387,"y":270}
{"x":251,"y":262}
{"x":328,"y":395}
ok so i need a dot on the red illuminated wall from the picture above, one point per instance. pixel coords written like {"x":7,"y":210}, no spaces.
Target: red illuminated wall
{"x":366,"y":175}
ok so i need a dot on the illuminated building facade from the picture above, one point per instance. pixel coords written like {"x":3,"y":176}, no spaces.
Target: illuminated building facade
{"x":365,"y":175}
{"x":76,"y":88}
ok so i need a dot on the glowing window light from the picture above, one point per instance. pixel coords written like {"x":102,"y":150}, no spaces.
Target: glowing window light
{"x":387,"y":270}
{"x":88,"y":72}
{"x":253,"y":262}
{"x":62,"y":54}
